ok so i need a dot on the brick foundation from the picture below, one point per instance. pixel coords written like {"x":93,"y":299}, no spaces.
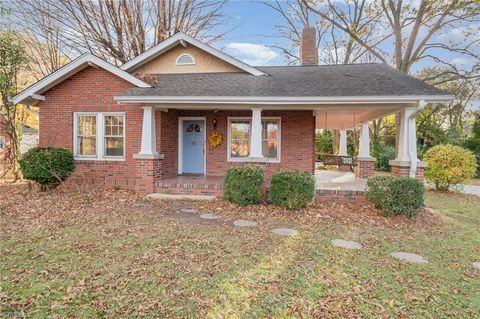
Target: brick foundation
{"x":148,"y":171}
{"x":340,"y":196}
{"x":365,"y":168}
{"x":344,"y":168}
{"x":405,"y":171}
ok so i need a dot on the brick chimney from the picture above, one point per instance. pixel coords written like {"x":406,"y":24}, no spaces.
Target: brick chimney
{"x":308,"y":46}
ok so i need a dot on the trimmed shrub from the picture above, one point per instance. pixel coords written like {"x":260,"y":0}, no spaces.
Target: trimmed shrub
{"x":293,"y":190}
{"x":243,"y":185}
{"x":396,"y":195}
{"x":449,"y":165}
{"x":47,"y":165}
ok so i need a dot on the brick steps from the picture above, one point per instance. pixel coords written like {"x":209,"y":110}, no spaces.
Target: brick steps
{"x":188,"y":188}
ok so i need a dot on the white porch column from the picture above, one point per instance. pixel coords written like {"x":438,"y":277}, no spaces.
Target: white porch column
{"x":405,"y":131}
{"x":256,"y":134}
{"x":407,"y":144}
{"x":342,"y":151}
{"x":364,"y":147}
{"x":149,"y":140}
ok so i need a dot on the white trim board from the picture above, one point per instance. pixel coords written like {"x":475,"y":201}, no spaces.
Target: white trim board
{"x":180,"y":141}
{"x":283,"y":100}
{"x":183,"y":38}
{"x":33,"y":92}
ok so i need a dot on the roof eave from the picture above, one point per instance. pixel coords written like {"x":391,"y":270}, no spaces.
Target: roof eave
{"x":284,"y":100}
{"x":32,"y":94}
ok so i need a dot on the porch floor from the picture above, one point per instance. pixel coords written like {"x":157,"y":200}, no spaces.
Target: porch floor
{"x":325,"y":180}
{"x":340,"y":181}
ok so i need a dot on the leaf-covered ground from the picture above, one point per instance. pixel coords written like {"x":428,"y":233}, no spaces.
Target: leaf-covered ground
{"x":94,"y":254}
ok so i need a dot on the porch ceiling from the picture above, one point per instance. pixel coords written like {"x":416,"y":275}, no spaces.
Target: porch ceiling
{"x":347,"y":118}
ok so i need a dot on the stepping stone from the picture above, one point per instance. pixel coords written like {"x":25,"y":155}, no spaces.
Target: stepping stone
{"x":142,"y":205}
{"x":179,"y":206}
{"x":244,"y":223}
{"x":476,"y":265}
{"x":209,"y":216}
{"x":409,"y":257}
{"x":189,"y":210}
{"x":348,"y":244}
{"x":284,"y":231}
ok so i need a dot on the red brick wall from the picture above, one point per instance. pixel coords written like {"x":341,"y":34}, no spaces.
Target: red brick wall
{"x":365,"y":169}
{"x":167,"y":142}
{"x":297,"y":141}
{"x":405,"y":171}
{"x":91,"y":90}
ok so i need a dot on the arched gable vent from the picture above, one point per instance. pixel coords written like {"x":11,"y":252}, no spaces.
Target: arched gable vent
{"x":185,"y":59}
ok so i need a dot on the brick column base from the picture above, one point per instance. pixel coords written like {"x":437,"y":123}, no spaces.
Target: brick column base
{"x":344,"y":168}
{"x":403,"y":169}
{"x":365,"y":167}
{"x":147,"y":173}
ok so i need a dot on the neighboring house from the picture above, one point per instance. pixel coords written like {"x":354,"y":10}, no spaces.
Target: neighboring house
{"x":29,"y":138}
{"x":143,"y":124}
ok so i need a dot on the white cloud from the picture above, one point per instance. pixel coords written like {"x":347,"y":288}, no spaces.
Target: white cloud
{"x":459,"y":34}
{"x":251,"y":53}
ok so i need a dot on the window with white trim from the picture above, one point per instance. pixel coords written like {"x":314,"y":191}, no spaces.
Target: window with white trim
{"x":185,"y":59}
{"x":239,"y":130}
{"x":99,"y":136}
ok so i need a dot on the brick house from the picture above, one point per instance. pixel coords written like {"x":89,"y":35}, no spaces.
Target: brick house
{"x":146,"y":125}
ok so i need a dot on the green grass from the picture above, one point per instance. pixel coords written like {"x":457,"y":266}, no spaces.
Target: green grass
{"x":67,"y":259}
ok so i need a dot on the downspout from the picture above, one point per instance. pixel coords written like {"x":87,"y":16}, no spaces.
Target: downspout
{"x":413,"y":157}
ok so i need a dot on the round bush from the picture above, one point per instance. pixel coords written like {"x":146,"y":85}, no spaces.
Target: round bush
{"x":293,"y":190}
{"x":449,"y":165}
{"x":396,"y":195}
{"x":47,"y":165}
{"x":243,"y":185}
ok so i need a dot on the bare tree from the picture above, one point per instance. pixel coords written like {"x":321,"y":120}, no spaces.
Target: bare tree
{"x":118,"y":30}
{"x":43,"y":40}
{"x":335,"y":46}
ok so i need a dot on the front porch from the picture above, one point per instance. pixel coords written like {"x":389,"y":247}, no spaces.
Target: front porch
{"x":177,"y":155}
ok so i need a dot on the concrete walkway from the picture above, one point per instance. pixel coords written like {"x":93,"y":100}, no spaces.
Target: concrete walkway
{"x":470,"y":189}
{"x":335,"y":180}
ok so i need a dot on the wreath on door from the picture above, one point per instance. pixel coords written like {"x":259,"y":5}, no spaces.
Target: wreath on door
{"x":215,"y":139}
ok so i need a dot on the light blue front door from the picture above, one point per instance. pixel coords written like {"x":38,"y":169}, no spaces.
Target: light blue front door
{"x":193,"y":146}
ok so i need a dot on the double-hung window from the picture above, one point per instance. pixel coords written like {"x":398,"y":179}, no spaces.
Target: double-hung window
{"x":99,"y":136}
{"x":239,"y":131}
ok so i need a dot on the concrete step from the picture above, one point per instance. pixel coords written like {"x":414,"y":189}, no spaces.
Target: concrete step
{"x":162,"y":196}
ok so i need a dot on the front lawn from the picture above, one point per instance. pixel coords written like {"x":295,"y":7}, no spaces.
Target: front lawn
{"x":109,"y":254}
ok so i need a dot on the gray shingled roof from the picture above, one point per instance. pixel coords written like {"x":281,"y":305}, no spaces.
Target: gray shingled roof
{"x":305,"y":81}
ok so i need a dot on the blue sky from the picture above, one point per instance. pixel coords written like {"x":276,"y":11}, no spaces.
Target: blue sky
{"x":252,"y":23}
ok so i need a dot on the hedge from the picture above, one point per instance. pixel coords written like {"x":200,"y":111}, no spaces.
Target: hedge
{"x":292,"y":189}
{"x":243,"y":185}
{"x":396,"y":195}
